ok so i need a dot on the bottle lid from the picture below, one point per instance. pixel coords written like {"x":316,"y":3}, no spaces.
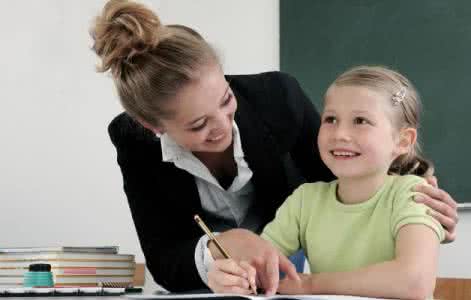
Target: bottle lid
{"x":40,"y":268}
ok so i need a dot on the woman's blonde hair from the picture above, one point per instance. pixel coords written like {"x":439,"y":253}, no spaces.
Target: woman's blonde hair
{"x":405,"y":105}
{"x":149,"y":62}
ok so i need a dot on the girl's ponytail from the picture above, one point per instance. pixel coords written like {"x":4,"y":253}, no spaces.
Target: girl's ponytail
{"x":412,"y":164}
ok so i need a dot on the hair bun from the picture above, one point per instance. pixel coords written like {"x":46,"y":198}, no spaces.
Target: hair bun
{"x":124,"y":30}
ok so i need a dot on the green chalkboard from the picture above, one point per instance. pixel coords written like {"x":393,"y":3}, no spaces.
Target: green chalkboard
{"x":427,"y":40}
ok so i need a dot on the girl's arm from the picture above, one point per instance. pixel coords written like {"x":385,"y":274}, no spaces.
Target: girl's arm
{"x":411,"y":275}
{"x":444,"y":207}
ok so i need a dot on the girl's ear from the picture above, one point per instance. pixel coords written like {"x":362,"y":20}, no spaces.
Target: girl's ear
{"x":407,"y":140}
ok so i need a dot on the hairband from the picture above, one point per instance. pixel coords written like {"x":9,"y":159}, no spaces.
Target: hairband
{"x":399,"y":96}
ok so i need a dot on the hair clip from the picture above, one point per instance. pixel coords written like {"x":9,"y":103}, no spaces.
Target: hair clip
{"x":399,"y":96}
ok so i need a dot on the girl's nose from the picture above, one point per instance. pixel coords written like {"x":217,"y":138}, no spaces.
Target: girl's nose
{"x":342,"y":133}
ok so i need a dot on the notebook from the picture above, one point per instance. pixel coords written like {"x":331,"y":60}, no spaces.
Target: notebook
{"x":243,"y":297}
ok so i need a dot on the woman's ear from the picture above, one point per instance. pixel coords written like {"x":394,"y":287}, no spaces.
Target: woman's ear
{"x":407,"y":140}
{"x":157,"y":130}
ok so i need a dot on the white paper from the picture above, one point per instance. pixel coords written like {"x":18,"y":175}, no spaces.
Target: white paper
{"x":249,"y":297}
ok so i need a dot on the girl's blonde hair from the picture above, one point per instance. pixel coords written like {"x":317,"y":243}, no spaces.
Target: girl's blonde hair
{"x":149,"y":62}
{"x":405,"y":106}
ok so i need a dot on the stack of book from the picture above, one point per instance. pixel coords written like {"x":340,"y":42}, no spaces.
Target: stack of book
{"x":71,"y":266}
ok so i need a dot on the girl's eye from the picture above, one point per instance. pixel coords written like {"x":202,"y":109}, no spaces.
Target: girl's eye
{"x":330,"y":120}
{"x":198,"y":128}
{"x":361,"y":121}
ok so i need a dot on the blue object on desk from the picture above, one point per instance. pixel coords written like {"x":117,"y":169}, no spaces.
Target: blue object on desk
{"x":298,"y":260}
{"x":39,"y":275}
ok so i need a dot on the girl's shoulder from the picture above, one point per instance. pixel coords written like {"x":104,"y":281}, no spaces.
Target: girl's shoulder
{"x":406,"y":211}
{"x":401,"y":190}
{"x":315,"y":190}
{"x":405,"y":183}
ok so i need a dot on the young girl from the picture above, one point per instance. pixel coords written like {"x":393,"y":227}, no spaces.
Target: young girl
{"x":363,"y":234}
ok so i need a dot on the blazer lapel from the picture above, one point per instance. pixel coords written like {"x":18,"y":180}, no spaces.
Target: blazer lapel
{"x":262,"y":154}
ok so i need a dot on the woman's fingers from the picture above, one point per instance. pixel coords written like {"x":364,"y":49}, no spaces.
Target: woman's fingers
{"x":263,"y":256}
{"x":226,"y":276}
{"x":237,"y":290}
{"x":269,"y":273}
{"x":230,"y":266}
{"x":432,"y":180}
{"x":438,"y":200}
{"x":448,"y":224}
{"x":439,"y":195}
{"x":444,"y":208}
{"x":251,"y":275}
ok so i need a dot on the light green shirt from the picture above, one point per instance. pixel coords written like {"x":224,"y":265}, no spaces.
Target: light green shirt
{"x":340,"y":237}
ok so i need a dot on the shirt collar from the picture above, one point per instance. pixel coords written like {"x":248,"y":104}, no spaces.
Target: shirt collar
{"x":171,"y":151}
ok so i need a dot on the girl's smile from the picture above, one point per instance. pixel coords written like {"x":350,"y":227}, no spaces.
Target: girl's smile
{"x":356,"y":138}
{"x":344,"y":154}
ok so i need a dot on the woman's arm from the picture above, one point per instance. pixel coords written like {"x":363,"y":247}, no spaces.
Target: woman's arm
{"x":161,"y":209}
{"x":411,"y":275}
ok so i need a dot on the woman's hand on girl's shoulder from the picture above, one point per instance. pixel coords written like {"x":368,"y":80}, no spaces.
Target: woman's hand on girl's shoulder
{"x":443,"y":207}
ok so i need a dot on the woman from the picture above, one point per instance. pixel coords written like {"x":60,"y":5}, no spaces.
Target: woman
{"x":193,"y":141}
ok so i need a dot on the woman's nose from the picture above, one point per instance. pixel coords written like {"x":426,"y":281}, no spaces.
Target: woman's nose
{"x":221,"y":122}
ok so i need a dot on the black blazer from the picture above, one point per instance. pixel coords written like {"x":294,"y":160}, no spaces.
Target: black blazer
{"x":278,"y":127}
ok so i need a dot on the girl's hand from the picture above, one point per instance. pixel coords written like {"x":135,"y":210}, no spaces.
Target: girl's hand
{"x":227,"y":276}
{"x":443,"y":207}
{"x":290,"y":286}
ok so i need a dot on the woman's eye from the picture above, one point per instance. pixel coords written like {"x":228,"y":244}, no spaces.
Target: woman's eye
{"x":198,"y":128}
{"x":228,"y":100}
{"x":330,"y":120}
{"x":361,"y":121}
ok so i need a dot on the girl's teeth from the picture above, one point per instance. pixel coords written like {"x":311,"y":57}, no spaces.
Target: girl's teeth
{"x":343,"y":153}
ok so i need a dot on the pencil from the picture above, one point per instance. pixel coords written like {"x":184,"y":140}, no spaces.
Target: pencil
{"x":211,"y":236}
{"x":224,"y":252}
